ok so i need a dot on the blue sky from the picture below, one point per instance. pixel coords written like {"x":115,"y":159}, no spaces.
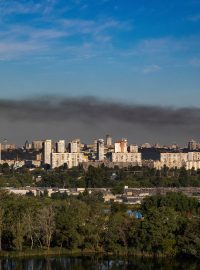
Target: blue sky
{"x":145,"y":52}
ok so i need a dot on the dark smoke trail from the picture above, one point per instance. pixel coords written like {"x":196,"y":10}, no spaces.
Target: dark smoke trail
{"x":90,"y":109}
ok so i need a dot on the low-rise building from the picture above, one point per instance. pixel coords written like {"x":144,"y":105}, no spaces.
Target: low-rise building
{"x":133,"y":158}
{"x":173,"y":160}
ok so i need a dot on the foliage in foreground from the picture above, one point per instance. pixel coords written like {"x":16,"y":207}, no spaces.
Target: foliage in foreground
{"x":171,"y":224}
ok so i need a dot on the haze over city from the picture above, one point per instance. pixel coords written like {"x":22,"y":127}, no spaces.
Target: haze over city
{"x":86,"y":68}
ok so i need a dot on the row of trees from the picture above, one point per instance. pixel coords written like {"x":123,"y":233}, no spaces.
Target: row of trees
{"x":170,"y":224}
{"x":100,"y":177}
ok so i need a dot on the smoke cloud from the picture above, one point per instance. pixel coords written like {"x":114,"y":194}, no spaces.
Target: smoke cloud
{"x":91,"y":109}
{"x":89,"y":116}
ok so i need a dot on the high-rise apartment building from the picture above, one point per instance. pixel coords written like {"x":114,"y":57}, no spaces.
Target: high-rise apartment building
{"x":60,"y":146}
{"x":121,"y":146}
{"x":95,"y":145}
{"x":133,"y":148}
{"x":100,"y":149}
{"x":108,"y":140}
{"x":47,"y":151}
{"x":75,"y":146}
{"x":121,"y":154}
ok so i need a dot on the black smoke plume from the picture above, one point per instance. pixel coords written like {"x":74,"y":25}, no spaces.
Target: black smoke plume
{"x":92,"y":109}
{"x":88,"y":118}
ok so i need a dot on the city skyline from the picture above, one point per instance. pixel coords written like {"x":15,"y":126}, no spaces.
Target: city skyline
{"x":107,"y":140}
{"x":48,"y":154}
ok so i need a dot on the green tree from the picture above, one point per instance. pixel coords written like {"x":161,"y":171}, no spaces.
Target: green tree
{"x":183,"y":177}
{"x":189,"y":241}
{"x":5,"y":168}
{"x":158,"y":230}
{"x":116,"y":233}
{"x":47,"y":225}
{"x":1,"y":224}
{"x":70,"y":220}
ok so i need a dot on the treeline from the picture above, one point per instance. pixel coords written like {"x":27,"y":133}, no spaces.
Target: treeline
{"x":99,"y":177}
{"x":170,"y":225}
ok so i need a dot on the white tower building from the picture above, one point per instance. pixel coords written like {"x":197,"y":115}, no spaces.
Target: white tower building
{"x":133,"y":148}
{"x":121,"y":146}
{"x":47,"y":151}
{"x":100,"y":149}
{"x":60,"y":146}
{"x":108,"y":140}
{"x":75,"y":146}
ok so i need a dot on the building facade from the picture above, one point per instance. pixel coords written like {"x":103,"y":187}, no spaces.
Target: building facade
{"x":173,"y":160}
{"x":71,"y":159}
{"x":121,"y":146}
{"x":134,"y":158}
{"x":47,"y":152}
{"x":100,"y":149}
{"x":37,"y":145}
{"x":108,"y":140}
{"x":75,"y":146}
{"x":60,"y":146}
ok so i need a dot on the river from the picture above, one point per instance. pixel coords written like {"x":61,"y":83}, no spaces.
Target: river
{"x":96,"y":263}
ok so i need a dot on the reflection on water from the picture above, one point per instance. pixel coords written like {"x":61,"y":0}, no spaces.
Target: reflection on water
{"x":96,"y":263}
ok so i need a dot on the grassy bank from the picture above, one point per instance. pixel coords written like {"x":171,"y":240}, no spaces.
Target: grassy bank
{"x":42,"y":253}
{"x":75,"y":252}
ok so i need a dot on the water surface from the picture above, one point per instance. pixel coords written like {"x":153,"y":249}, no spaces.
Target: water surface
{"x":97,"y":263}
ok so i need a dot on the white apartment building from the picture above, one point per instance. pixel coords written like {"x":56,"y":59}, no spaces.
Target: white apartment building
{"x":152,"y":164}
{"x":188,"y":160}
{"x":193,"y":164}
{"x":121,"y":146}
{"x":71,"y":159}
{"x":47,"y":151}
{"x":173,"y":160}
{"x":100,"y":149}
{"x":95,"y":145}
{"x":193,"y":161}
{"x":60,"y":146}
{"x":133,"y":148}
{"x":121,"y":153}
{"x":135,"y":158}
{"x":75,"y":146}
{"x":108,"y":140}
{"x":193,"y":156}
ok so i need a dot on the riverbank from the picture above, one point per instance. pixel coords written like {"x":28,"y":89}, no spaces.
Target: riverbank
{"x":42,"y":253}
{"x":77,"y":252}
